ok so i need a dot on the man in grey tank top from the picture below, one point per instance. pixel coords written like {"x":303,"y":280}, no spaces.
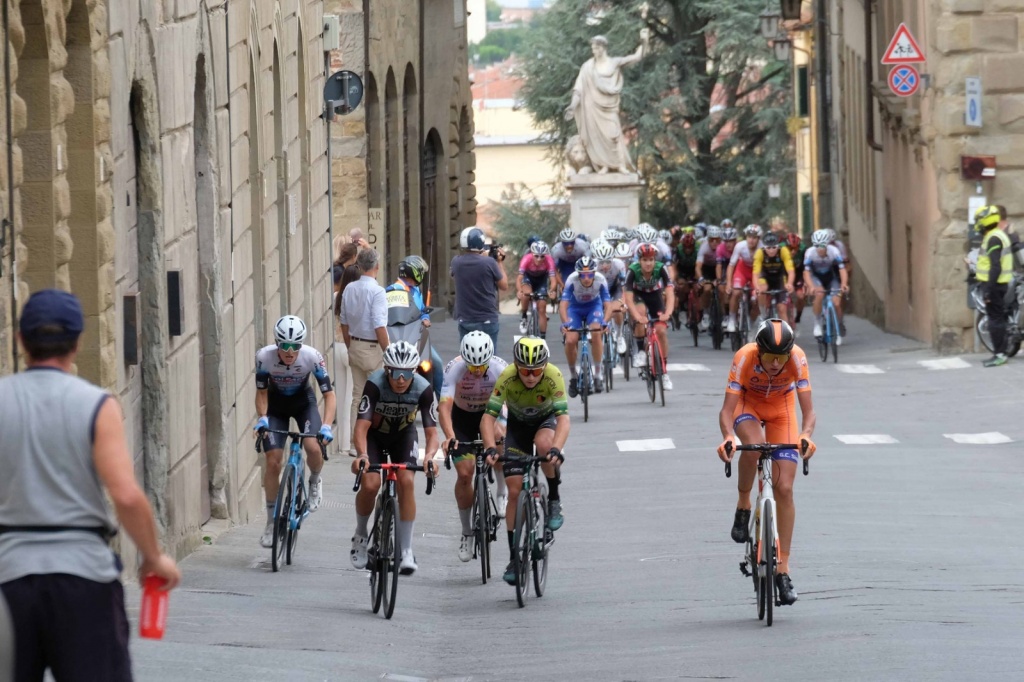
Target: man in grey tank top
{"x":61,"y":443}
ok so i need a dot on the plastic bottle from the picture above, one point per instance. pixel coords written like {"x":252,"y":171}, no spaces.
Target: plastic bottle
{"x":153,"y":611}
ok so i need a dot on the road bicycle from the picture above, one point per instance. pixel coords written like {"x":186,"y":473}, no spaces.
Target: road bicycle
{"x":626,"y":359}
{"x":760,"y":560}
{"x":772,"y":310}
{"x":384,"y":553}
{"x":584,"y":370}
{"x":693,"y":311}
{"x":532,"y":314}
{"x":715,"y":317}
{"x":609,"y":357}
{"x":654,"y":373}
{"x":532,"y":540}
{"x":741,"y":336}
{"x":292,"y":504}
{"x":830,"y":329}
{"x":485,"y":517}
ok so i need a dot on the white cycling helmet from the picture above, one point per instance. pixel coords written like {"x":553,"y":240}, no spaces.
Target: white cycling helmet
{"x":665,"y":236}
{"x":401,"y":355}
{"x":601,"y":250}
{"x":567,"y":235}
{"x":290,"y":329}
{"x":820,"y":238}
{"x":646,"y":233}
{"x":714,"y":232}
{"x":727,"y":223}
{"x":477,"y":348}
{"x":752,"y":230}
{"x":622,"y":250}
{"x":728,"y":234}
{"x":538,"y":248}
{"x":831,"y":234}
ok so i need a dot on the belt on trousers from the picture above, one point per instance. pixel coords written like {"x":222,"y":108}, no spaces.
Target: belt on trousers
{"x":356,"y":338}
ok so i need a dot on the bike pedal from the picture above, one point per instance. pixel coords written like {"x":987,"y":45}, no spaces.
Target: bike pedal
{"x":744,"y":570}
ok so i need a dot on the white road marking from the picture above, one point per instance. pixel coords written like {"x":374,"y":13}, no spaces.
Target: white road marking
{"x":681,"y":367}
{"x":945,"y":363}
{"x":860,"y":369}
{"x":645,"y":445}
{"x":991,"y":438}
{"x":866,"y":439}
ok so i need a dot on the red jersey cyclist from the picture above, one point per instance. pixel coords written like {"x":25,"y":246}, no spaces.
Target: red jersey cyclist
{"x":767,"y":379}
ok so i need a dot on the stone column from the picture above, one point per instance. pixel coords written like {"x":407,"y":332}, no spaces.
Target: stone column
{"x":597,"y":201}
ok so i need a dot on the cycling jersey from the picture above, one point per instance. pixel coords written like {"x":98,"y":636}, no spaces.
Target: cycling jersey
{"x":724,"y":252}
{"x":772,"y":268}
{"x":686,"y":262}
{"x":841,"y":248}
{"x":391,"y":413}
{"x":535,"y":268}
{"x":580,"y":296}
{"x":639,"y":283}
{"x":565,"y":262}
{"x":291,"y":380}
{"x":664,"y":252}
{"x":402,"y":301}
{"x":707,"y":257}
{"x":614,"y":273}
{"x":821,"y":264}
{"x":742,"y":253}
{"x":531,"y":406}
{"x":468,"y":391}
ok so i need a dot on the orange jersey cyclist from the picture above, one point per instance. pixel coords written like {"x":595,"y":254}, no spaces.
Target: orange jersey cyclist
{"x":767,"y":379}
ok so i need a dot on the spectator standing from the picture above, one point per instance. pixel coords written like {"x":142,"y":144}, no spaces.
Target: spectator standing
{"x":364,"y":319}
{"x":342,"y":367}
{"x":478,"y":278}
{"x":345,"y":255}
{"x":62,"y":442}
{"x":994,"y":273}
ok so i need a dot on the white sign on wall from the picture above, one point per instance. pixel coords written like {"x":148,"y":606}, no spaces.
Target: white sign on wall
{"x":972,"y":112}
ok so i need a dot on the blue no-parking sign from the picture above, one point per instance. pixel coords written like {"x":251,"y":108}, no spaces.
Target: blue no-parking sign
{"x":904,"y":80}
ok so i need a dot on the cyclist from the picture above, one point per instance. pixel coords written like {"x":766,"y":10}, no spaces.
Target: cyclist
{"x":614,"y":272}
{"x":796,"y":252}
{"x":385,"y":428}
{"x":646,"y":234}
{"x":841,"y":247}
{"x":685,"y":261}
{"x":569,"y":249}
{"x":469,"y":380}
{"x":707,"y":266}
{"x":411,"y":272}
{"x":740,"y":273}
{"x":820,"y":264}
{"x":722,"y":255}
{"x":283,"y":392}
{"x":767,"y":379}
{"x":773,"y":269}
{"x":536,"y":275}
{"x":585,"y":304}
{"x":648,"y":280}
{"x":538,"y":417}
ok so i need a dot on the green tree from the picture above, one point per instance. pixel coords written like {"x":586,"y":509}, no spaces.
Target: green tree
{"x":704,"y":113}
{"x":493,"y":11}
{"x":519,"y":215}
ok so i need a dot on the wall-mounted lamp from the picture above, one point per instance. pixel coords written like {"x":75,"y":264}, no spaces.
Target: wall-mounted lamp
{"x":790,"y":9}
{"x":782,"y":45}
{"x":769,"y":24}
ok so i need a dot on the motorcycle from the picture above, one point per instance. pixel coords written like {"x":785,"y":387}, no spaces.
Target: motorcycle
{"x":1014,"y":304}
{"x":404,"y":324}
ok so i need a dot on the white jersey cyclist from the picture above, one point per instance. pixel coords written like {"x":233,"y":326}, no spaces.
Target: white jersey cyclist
{"x":470,"y":392}
{"x":579,"y":295}
{"x":743,"y":252}
{"x":822,"y":263}
{"x":291,"y":381}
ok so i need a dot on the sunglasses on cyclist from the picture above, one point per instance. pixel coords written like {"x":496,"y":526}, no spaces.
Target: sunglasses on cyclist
{"x":477,"y":369}
{"x":586,"y":275}
{"x":528,"y":372}
{"x":770,"y":358}
{"x":401,"y":374}
{"x":289,"y":347}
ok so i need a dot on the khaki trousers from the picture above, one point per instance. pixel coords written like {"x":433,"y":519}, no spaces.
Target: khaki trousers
{"x":364,"y":358}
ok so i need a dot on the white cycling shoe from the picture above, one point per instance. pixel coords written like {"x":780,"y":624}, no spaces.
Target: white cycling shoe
{"x":316,"y":494}
{"x":502,"y":505}
{"x":358,"y":552}
{"x":817,"y":328}
{"x":466,"y":548}
{"x":267,"y":539}
{"x":408,"y":565}
{"x":620,"y":345}
{"x":640,"y":359}
{"x":731,"y":327}
{"x":667,"y":382}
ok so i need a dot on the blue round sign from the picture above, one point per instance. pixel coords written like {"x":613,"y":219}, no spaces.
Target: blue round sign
{"x":904,"y":80}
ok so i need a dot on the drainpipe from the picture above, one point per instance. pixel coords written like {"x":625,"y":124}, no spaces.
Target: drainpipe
{"x":8,"y":222}
{"x":824,"y":69}
{"x":231,"y":140}
{"x":869,"y":79}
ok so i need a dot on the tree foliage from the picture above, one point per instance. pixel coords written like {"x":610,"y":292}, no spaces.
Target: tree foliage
{"x":519,"y":215}
{"x":493,"y":11}
{"x":705,"y":112}
{"x":499,"y":44}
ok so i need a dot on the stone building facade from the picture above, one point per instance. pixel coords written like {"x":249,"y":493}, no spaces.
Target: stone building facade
{"x":169,"y":167}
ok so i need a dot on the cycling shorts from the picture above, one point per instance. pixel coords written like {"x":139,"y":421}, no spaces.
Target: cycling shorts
{"x":466,"y":426}
{"x":742,"y":275}
{"x":281,"y":409}
{"x":538,"y":283}
{"x":779,"y":417}
{"x":400,"y":449}
{"x":519,"y":441}
{"x":586,"y":316}
{"x":823,"y":280}
{"x":652,"y":300}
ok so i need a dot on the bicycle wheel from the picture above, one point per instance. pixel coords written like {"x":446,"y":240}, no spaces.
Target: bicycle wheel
{"x":823,"y":345}
{"x":745,"y":321}
{"x":283,"y":512}
{"x":521,"y":547}
{"x":648,"y":375}
{"x":833,"y":333}
{"x":981,"y":325}
{"x":532,"y":321}
{"x":584,"y":385}
{"x":627,"y":357}
{"x":693,"y":319}
{"x":373,"y":559}
{"x":715,"y":322}
{"x":539,"y":555}
{"x":768,"y":555}
{"x":300,"y":508}
{"x":391,"y":557}
{"x":481,"y":522}
{"x":658,"y":370}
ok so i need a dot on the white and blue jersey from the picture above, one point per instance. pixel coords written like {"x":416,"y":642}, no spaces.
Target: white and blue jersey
{"x":565,"y":261}
{"x":292,"y":380}
{"x":586,"y":303}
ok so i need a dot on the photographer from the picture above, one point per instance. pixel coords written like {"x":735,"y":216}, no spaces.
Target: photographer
{"x":478,"y":278}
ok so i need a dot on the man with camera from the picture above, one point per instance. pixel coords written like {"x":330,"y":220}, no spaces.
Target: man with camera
{"x":478,"y":279}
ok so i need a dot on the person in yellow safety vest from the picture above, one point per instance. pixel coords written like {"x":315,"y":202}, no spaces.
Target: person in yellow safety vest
{"x":994,"y":272}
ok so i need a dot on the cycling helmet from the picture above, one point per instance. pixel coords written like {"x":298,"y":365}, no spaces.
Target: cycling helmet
{"x":401,"y":355}
{"x":413,"y":268}
{"x":714,"y":232}
{"x":986,"y":217}
{"x":820,"y":238}
{"x":703,"y":227}
{"x":601,"y":250}
{"x":290,"y":329}
{"x":728,"y":233}
{"x":533,"y":238}
{"x":647,"y":251}
{"x":529,"y":351}
{"x":831,"y":234}
{"x":793,"y":239}
{"x":477,"y":348}
{"x":752,"y":230}
{"x":646,"y":233}
{"x":629,"y":233}
{"x":622,"y":250}
{"x":665,"y":236}
{"x":727,"y":223}
{"x":774,"y":336}
{"x":472,"y":239}
{"x":770,"y":240}
{"x":539,"y":248}
{"x":689,"y":240}
{"x":567,"y":235}
{"x":585,"y":263}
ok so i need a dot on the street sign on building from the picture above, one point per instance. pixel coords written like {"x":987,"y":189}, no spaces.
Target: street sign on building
{"x":904,"y":80}
{"x":903,"y":49}
{"x":972,"y":112}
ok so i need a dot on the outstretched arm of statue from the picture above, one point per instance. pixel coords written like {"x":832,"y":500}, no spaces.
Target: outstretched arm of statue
{"x":641,"y":51}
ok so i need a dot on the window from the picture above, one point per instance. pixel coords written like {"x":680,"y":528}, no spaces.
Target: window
{"x":806,"y":214}
{"x":802,"y":91}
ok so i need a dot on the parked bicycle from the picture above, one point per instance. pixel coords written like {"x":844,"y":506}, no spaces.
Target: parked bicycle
{"x":654,"y":373}
{"x":532,"y":539}
{"x":485,"y":517}
{"x":760,"y":560}
{"x":291,"y":506}
{"x":1014,"y":325}
{"x":384,"y":554}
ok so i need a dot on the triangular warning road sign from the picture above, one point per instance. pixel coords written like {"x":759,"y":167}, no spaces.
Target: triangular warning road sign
{"x":903,"y":49}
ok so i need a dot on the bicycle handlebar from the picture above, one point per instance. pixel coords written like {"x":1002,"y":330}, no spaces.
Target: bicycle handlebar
{"x":294,"y":436}
{"x":767,"y":449}
{"x":377,"y":468}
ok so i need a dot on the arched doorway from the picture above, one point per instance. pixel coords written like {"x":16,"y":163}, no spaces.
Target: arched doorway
{"x":393,"y":189}
{"x":432,"y":208}
{"x":283,"y":279}
{"x":412,"y":242}
{"x":259,"y":298}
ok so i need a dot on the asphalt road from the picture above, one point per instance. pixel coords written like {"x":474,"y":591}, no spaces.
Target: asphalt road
{"x":905,"y":555}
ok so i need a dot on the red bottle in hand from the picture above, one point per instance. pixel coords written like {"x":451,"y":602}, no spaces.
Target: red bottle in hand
{"x":153,"y":612}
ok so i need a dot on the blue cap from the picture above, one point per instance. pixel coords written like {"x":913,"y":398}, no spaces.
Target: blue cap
{"x":52,"y":308}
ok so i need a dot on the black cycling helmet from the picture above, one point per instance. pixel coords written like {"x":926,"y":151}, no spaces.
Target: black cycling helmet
{"x":413,"y":268}
{"x":775,"y":336}
{"x":770,"y":240}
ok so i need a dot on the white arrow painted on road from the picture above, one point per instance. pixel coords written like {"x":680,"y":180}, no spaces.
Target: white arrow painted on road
{"x":645,"y":445}
{"x":991,"y":438}
{"x":682,"y":367}
{"x":860,"y":369}
{"x":945,"y":363}
{"x":866,"y":439}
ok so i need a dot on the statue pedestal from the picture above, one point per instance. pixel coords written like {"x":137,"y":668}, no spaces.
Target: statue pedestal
{"x":597,"y":201}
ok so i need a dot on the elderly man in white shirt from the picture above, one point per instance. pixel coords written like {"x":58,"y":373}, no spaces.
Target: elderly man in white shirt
{"x":364,"y":319}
